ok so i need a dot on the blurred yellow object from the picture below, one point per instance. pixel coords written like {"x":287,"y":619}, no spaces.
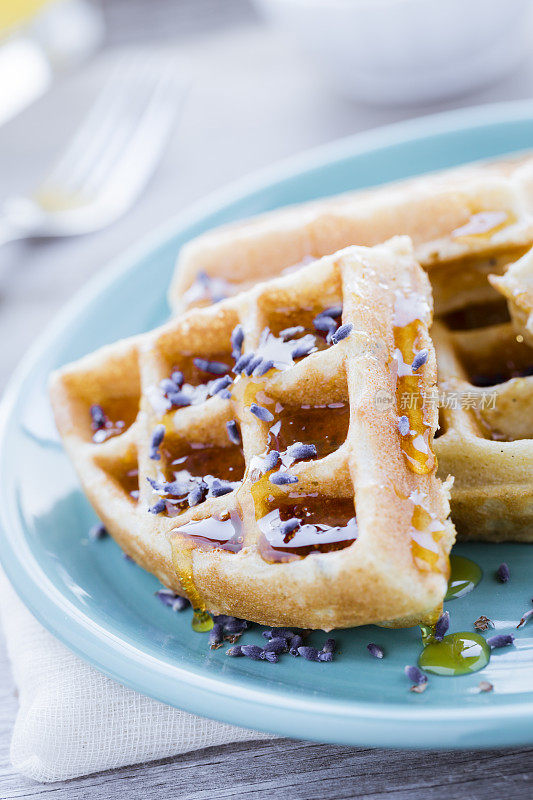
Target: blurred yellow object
{"x":15,"y":12}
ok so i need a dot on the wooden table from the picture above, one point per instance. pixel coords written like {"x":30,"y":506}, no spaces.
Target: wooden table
{"x":253,"y":100}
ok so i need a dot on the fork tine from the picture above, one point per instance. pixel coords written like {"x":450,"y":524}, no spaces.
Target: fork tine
{"x":93,"y":124}
{"x":118,"y":146}
{"x":136,"y":149}
{"x":141,"y":105}
{"x":139,"y":152}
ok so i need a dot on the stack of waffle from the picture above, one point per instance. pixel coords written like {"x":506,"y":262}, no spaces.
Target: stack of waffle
{"x":272,"y":452}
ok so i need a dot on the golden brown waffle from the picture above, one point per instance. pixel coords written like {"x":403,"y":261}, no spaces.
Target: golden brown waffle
{"x":516,"y":284}
{"x":469,"y":227}
{"x":465,"y":224}
{"x":300,"y":494}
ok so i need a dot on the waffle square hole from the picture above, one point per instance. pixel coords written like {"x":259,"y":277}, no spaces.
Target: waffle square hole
{"x":193,"y":472}
{"x":325,"y":426}
{"x":298,"y":525}
{"x":505,"y":357}
{"x":480,"y":315}
{"x":307,"y":329}
{"x":125,"y":474}
{"x":110,"y":417}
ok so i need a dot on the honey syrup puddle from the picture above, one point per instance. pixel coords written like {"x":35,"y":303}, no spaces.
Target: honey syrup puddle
{"x":458,"y":653}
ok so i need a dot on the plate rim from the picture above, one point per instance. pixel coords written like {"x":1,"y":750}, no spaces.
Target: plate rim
{"x":286,"y":716}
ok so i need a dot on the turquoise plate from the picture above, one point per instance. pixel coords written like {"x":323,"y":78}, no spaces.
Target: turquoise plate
{"x":103,"y":607}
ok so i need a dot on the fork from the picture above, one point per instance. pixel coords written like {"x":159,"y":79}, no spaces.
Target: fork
{"x":111,"y":157}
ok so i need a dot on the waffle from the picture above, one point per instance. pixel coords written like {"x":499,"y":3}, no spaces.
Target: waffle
{"x":299,"y":494}
{"x":472,"y":229}
{"x":465,"y":223}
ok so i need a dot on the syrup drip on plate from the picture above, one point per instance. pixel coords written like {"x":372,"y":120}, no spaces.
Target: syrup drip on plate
{"x":457,"y":654}
{"x":465,"y":576}
{"x":222,"y":533}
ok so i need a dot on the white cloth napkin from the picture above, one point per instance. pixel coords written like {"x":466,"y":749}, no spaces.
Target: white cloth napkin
{"x":72,"y":720}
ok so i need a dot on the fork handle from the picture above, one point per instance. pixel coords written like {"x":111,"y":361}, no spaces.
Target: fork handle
{"x":9,"y":232}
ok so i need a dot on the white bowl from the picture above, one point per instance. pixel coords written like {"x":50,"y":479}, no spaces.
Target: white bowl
{"x":407,"y":51}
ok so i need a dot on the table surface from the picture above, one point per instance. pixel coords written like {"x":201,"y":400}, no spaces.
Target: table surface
{"x":253,"y":100}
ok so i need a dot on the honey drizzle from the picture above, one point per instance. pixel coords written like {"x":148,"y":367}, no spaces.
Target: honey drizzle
{"x":416,"y":445}
{"x":227,"y":535}
{"x":483,"y":225}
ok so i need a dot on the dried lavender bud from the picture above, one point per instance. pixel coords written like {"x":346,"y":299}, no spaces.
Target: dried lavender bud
{"x":233,"y":432}
{"x":168,"y":386}
{"x":197,"y":494}
{"x":261,"y":413}
{"x":269,"y":655}
{"x":341,"y":333}
{"x":330,"y":645}
{"x":158,"y":435}
{"x":419,"y":360}
{"x":485,"y":686}
{"x":309,"y":653}
{"x":172,"y":600}
{"x":212,"y":367}
{"x":270,"y":461}
{"x":276,"y":645}
{"x":502,"y":573}
{"x":242,"y":362}
{"x":179,"y":399}
{"x":127,"y":557}
{"x":289,"y":526}
{"x":177,"y":377}
{"x":415,"y":674}
{"x":253,"y":364}
{"x":252,"y":651}
{"x":216,"y":636}
{"x":217,"y":386}
{"x":98,"y":417}
{"x":235,"y":625}
{"x":237,"y":338}
{"x":325,"y":323}
{"x":296,"y":642}
{"x":98,"y":531}
{"x":525,"y":619}
{"x":158,"y":508}
{"x":500,"y":640}
{"x":403,"y":425}
{"x":282,"y":478}
{"x":375,"y":650}
{"x":235,"y":651}
{"x":288,"y":333}
{"x":441,"y":626}
{"x":303,"y":349}
{"x":156,"y":486}
{"x":300,"y":451}
{"x":263,"y":368}
{"x":285,"y":633}
{"x":219,"y":488}
{"x":483,"y":623}
{"x":332,"y":311}
{"x":322,"y":656}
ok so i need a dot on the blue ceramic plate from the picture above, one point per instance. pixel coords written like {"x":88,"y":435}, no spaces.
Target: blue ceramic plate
{"x":104,"y":608}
